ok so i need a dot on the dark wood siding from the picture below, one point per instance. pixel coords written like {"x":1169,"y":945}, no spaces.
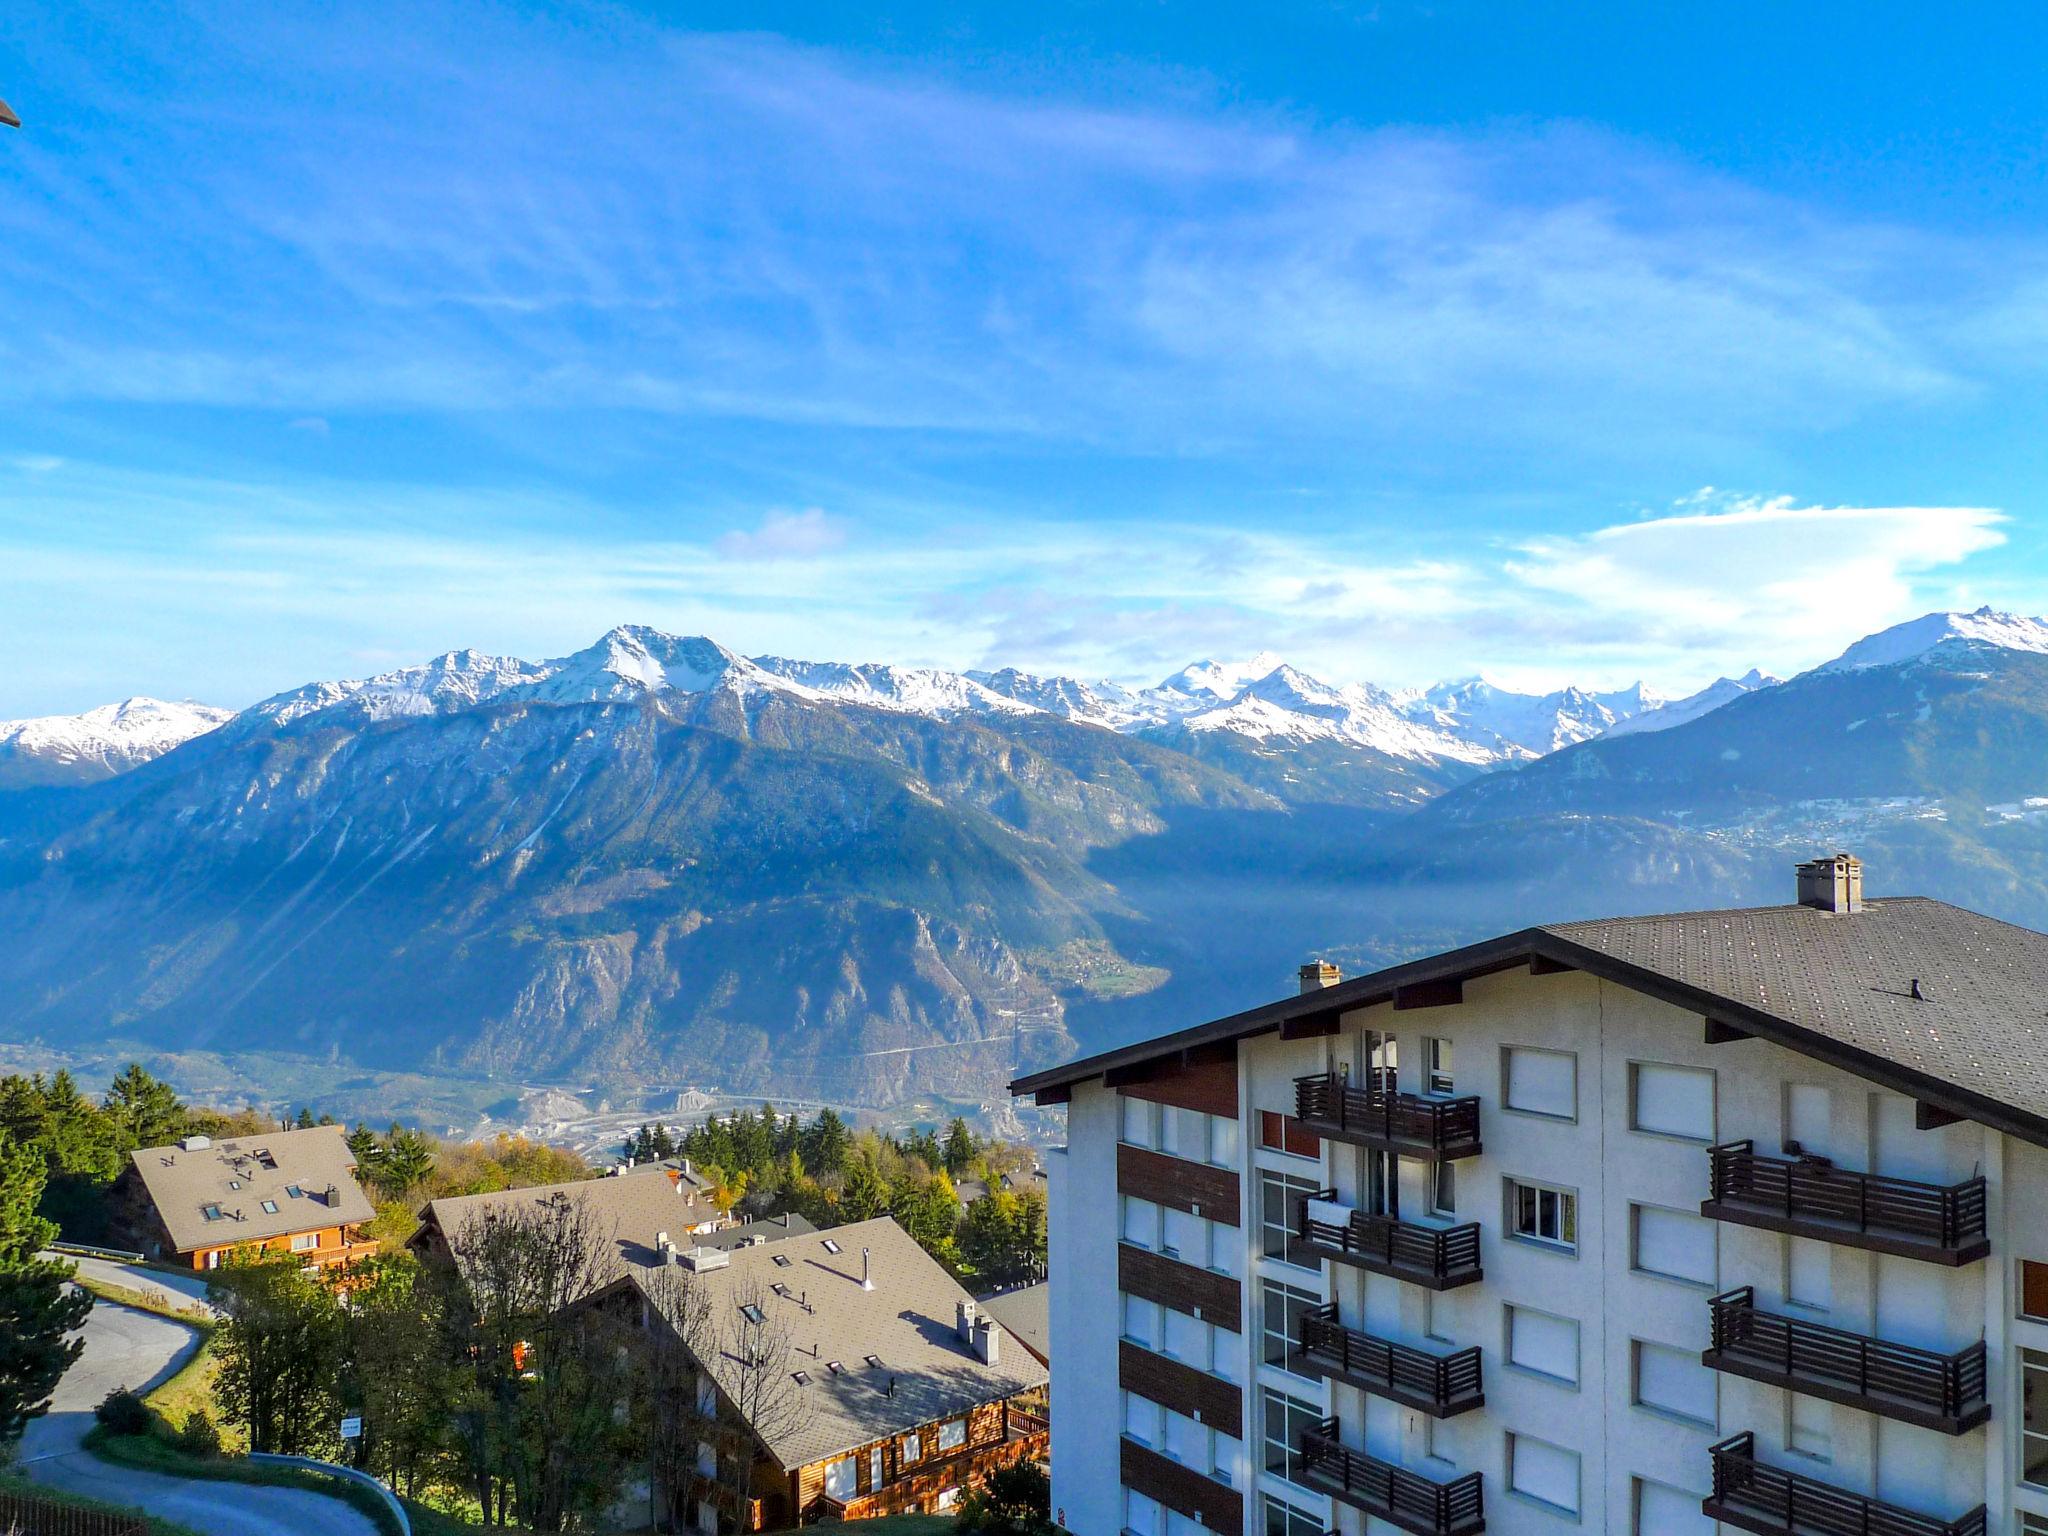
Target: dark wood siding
{"x":1210,"y":1193}
{"x":1182,"y":1488}
{"x":1200,"y":1293}
{"x":1211,"y":1088}
{"x":1216,"y":1402}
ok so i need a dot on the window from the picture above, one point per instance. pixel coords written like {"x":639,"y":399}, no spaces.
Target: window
{"x":1443,"y":1188}
{"x":294,"y":1192}
{"x":263,"y":1156}
{"x":831,"y":1246}
{"x":1142,"y":1517}
{"x":1665,"y":1511}
{"x":2034,"y":1417}
{"x":873,"y":1361}
{"x":1440,"y":1080}
{"x":839,"y":1478}
{"x":1673,"y":1245}
{"x":1284,"y":1133}
{"x":270,"y":1207}
{"x":1186,"y":1237}
{"x":210,"y":1212}
{"x":1283,"y":1421}
{"x":1543,"y":1213}
{"x":303,"y":1242}
{"x":834,"y":1367}
{"x":952,"y":1434}
{"x":1672,"y":1381}
{"x":1671,"y":1101}
{"x":1284,"y":1307}
{"x":1809,"y":1273}
{"x":2034,"y":1289}
{"x":782,"y":1261}
{"x":753,"y":1314}
{"x":1141,"y":1321}
{"x":1140,"y":1221}
{"x":1144,"y":1420}
{"x":1140,"y":1123}
{"x":1541,"y":1082}
{"x":2033,"y":1525}
{"x":1278,"y":1193}
{"x":1186,"y":1339}
{"x":1283,"y":1519}
{"x":910,"y":1448}
{"x":1809,"y":1427}
{"x":1544,"y":1472}
{"x":801,"y":1378}
{"x":1543,"y":1343}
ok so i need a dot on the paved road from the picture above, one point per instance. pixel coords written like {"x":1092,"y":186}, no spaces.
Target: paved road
{"x":137,"y":1350}
{"x":176,"y":1289}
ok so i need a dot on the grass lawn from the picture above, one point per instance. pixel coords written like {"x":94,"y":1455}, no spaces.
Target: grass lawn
{"x":191,"y":1387}
{"x":29,"y":1490}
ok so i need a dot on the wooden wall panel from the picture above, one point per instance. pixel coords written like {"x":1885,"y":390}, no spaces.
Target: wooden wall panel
{"x":1216,"y":1402}
{"x":1199,"y":1293}
{"x":1182,"y":1489}
{"x":1211,"y":1193}
{"x":1211,"y":1088}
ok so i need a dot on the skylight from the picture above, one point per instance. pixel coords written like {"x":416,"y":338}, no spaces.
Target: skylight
{"x":753,"y":1314}
{"x":782,"y":1261}
{"x":874,"y":1360}
{"x":801,"y":1378}
{"x":834,"y":1367}
{"x":295,"y":1192}
{"x":270,"y":1207}
{"x":210,"y":1212}
{"x":830,"y":1246}
{"x":779,"y":1288}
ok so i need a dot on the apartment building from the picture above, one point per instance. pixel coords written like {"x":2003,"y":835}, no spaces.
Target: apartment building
{"x":1715,"y":1221}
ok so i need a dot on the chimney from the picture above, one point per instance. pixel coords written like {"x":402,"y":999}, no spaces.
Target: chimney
{"x":333,"y":1194}
{"x":1318,"y":974}
{"x":986,"y":1336}
{"x":867,"y":1280}
{"x":964,"y":1318}
{"x":664,"y":1247}
{"x":1832,"y":884}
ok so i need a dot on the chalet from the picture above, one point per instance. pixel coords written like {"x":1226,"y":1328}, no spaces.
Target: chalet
{"x":910,"y":1394}
{"x":283,"y":1191}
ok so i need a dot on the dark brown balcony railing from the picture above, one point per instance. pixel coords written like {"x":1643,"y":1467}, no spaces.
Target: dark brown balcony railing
{"x":1440,"y":1258}
{"x":1393,"y":1494}
{"x":1917,"y":1386}
{"x":1379,"y":1115}
{"x":1772,"y":1502}
{"x":1941,"y":1223}
{"x":1439,"y":1385}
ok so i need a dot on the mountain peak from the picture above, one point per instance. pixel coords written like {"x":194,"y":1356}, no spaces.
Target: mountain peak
{"x":1916,"y":637}
{"x":1222,"y":680}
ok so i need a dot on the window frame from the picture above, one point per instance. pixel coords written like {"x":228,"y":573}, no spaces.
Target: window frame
{"x":1507,"y":1054}
{"x":2032,"y":1273}
{"x":1440,"y":1059}
{"x":1293,"y":1186}
{"x":1281,"y":1133}
{"x":1567,"y":1198}
{"x":1308,"y":1301}
{"x":1510,"y":1311}
{"x":2033,"y":1361}
{"x":1636,"y":1347}
{"x":1576,"y":1509}
{"x":1635,"y":1246}
{"x":1635,"y":1071}
{"x":1290,"y":1455}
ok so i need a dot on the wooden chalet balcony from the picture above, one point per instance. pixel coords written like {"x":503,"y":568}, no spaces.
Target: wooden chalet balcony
{"x":1916,"y":1386}
{"x":1439,"y":1385}
{"x":1380,"y":1115}
{"x":1810,"y":1197}
{"x":1438,"y":1258}
{"x":1772,"y":1502}
{"x":1387,"y":1492}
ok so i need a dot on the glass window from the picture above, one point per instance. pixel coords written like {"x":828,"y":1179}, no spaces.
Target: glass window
{"x":1544,"y":1472}
{"x":1186,"y":1133}
{"x":1672,"y":1101}
{"x":1809,"y":1427}
{"x":1223,"y":1141}
{"x":839,"y":1478}
{"x":2034,"y":1289}
{"x":1665,"y":1511}
{"x":1543,"y":1213}
{"x":1673,"y":1381}
{"x":952,"y":1434}
{"x":1142,"y":1517}
{"x":1141,"y":1321}
{"x":1809,"y":1273}
{"x":2033,"y":1525}
{"x":1138,"y":1126}
{"x":1140,"y":1221}
{"x":1440,"y":1079}
{"x":910,"y":1448}
{"x":1144,"y":1419}
{"x":304,"y":1241}
{"x":2034,"y":1417}
{"x":210,"y":1212}
{"x":270,"y":1207}
{"x":1278,"y":1193}
{"x":1543,"y":1343}
{"x":1187,"y":1237}
{"x":1673,"y":1245}
{"x":1283,"y":1421}
{"x":1283,"y":1133}
{"x":1284,"y":1307}
{"x":1186,"y":1340}
{"x":1443,"y":1188}
{"x":1541,"y":1082}
{"x":1283,"y":1519}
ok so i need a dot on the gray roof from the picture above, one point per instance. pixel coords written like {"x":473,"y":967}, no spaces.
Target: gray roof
{"x":243,"y":1174}
{"x":907,"y":1321}
{"x":1836,"y":986}
{"x":1026,"y":1312}
{"x":631,"y":1209}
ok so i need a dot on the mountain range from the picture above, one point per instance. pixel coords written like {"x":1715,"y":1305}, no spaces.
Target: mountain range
{"x":655,"y":858}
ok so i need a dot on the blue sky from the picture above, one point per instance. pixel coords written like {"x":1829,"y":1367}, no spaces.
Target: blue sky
{"x":1560,"y":342}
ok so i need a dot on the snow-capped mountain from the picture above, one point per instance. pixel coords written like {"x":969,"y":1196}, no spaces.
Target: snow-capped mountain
{"x":1286,"y":704}
{"x":103,"y":742}
{"x":1102,"y":703}
{"x":1916,"y":637}
{"x":1524,"y":725}
{"x":1721,"y":691}
{"x":909,"y":690}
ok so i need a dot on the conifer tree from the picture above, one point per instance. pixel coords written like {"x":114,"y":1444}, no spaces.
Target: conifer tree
{"x":37,"y":1313}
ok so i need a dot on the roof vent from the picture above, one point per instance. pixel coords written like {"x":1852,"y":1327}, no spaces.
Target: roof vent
{"x":195,"y":1143}
{"x":1318,"y":974}
{"x":964,"y":1319}
{"x":1832,"y":884}
{"x":698,"y":1260}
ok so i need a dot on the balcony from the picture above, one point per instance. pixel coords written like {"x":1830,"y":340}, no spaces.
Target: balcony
{"x":1387,"y":1492}
{"x":1379,"y":1115}
{"x":1438,"y":1385}
{"x":1810,"y":1197}
{"x":1915,"y":1386}
{"x":1437,"y":1258}
{"x":1753,"y":1497}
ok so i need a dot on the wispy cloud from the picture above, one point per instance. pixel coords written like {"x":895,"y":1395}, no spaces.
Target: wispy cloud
{"x":801,"y":535}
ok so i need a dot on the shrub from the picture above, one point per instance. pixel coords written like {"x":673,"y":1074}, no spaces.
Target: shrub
{"x":200,"y":1436}
{"x":123,"y":1413}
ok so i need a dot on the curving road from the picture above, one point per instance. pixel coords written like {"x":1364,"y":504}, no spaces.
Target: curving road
{"x":137,"y":1350}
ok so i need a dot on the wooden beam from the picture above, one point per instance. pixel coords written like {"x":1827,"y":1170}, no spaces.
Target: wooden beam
{"x":1543,"y":965}
{"x":1136,"y":1072}
{"x":1310,"y":1026}
{"x":1063,"y":1094}
{"x":1428,"y":994}
{"x":1931,"y":1117}
{"x":1213,"y":1053}
{"x":1721,"y":1032}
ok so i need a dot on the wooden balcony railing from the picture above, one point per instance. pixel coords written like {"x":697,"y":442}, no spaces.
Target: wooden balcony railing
{"x":1772,"y":1502}
{"x":1379,"y":1115}
{"x":1439,"y":1258}
{"x":1916,"y":1386}
{"x":1390,"y":1493}
{"x":1810,"y":1197}
{"x":1439,"y":1385}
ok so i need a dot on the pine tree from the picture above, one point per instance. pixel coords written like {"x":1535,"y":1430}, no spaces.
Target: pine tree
{"x":825,"y":1143}
{"x":960,"y":1151}
{"x":144,"y":1109}
{"x":37,"y":1313}
{"x":865,"y":1194}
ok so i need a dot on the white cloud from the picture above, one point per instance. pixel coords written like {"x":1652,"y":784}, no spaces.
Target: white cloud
{"x":801,"y":535}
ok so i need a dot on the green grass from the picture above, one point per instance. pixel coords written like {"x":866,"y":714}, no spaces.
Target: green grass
{"x":429,"y":1521}
{"x":149,"y":1453}
{"x":27,"y":1489}
{"x":191,"y":1387}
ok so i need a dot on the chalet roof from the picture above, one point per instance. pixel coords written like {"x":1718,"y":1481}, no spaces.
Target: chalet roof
{"x":1026,"y":1312}
{"x":922,"y":1372}
{"x":1835,"y":986}
{"x":265,"y":1186}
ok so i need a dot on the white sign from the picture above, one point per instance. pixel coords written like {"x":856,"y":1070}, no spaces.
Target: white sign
{"x":352,"y":1428}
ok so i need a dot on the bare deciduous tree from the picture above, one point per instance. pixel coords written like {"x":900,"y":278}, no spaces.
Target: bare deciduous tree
{"x":759,"y":1362}
{"x":681,"y":1337}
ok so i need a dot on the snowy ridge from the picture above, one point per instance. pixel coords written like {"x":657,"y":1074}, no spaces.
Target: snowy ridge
{"x":1289,"y":704}
{"x":1721,"y":691}
{"x":905,"y":690}
{"x":1916,"y":637}
{"x":110,"y":739}
{"x":1524,"y":725}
